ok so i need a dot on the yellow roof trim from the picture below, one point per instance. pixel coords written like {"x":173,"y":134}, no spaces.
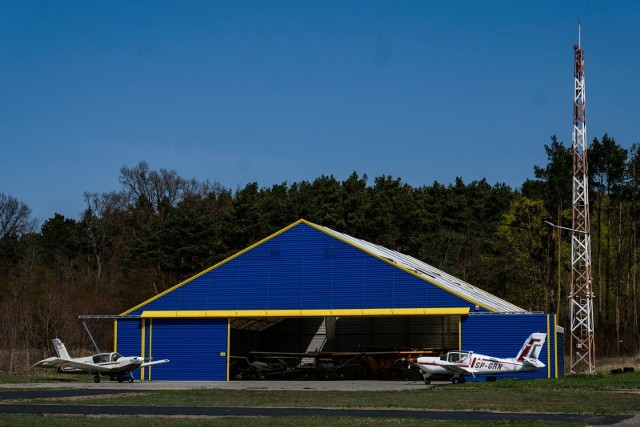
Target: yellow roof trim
{"x":215,"y":266}
{"x":454,"y":311}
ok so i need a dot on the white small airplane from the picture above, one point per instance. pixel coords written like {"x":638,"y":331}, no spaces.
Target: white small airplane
{"x":115,"y":365}
{"x":461,"y":363}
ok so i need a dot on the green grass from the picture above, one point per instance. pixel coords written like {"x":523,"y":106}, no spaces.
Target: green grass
{"x":480,"y":397}
{"x":41,"y":377}
{"x":602,"y":394}
{"x":599,"y":394}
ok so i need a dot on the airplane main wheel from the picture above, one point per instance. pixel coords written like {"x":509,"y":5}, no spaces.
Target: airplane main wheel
{"x":427,"y":381}
{"x":96,"y":379}
{"x":455,"y":380}
{"x":130,"y":380}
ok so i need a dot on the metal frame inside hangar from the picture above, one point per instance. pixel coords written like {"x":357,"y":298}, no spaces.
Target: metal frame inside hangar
{"x":307,"y":288}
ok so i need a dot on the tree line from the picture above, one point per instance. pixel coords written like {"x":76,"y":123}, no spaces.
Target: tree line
{"x":159,"y":229}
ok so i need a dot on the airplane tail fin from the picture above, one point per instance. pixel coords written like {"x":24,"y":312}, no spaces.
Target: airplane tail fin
{"x":60,"y":349}
{"x":532,"y":346}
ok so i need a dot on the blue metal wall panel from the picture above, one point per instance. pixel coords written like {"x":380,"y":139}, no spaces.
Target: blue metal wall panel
{"x":502,"y":335}
{"x":554,"y":351}
{"x":146,"y":351}
{"x":197,"y":349}
{"x":304,"y":268}
{"x":128,"y":336}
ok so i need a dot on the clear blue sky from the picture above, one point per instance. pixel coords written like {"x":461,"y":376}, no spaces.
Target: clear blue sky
{"x":274,"y":91}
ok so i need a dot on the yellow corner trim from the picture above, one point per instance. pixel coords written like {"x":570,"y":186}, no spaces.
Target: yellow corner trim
{"x":459,"y":311}
{"x":115,"y":335}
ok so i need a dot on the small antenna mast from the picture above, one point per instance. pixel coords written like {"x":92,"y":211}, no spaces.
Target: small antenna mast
{"x":578,"y":33}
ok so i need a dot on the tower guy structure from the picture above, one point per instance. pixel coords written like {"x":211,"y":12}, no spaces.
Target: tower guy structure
{"x":582,"y":345}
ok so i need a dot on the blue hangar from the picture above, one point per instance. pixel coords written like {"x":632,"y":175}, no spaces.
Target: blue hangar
{"x":308,"y":288}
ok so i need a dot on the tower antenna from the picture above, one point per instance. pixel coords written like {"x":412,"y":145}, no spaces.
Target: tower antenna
{"x":582,"y":345}
{"x":579,"y":33}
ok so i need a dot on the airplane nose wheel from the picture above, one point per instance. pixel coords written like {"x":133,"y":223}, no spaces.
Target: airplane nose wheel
{"x":96,"y":379}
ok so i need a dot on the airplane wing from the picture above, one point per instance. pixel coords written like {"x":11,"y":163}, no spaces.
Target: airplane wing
{"x":56,"y":362}
{"x":155,"y":362}
{"x":456,"y":369}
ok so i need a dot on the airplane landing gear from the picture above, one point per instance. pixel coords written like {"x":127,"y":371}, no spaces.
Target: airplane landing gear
{"x":127,"y":376}
{"x":426,"y":378}
{"x":96,"y":379}
{"x":458,"y":380}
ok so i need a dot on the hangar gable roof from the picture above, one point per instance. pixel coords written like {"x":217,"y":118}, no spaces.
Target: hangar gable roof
{"x":303,"y":267}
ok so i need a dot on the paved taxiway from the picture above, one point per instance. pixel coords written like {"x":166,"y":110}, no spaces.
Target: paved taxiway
{"x":343,"y":385}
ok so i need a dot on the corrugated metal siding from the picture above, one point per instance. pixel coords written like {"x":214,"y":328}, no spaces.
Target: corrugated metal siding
{"x":147,"y":350}
{"x":431,"y":274}
{"x":129,"y":333}
{"x":502,"y":335}
{"x":197,"y":349}
{"x":304,"y":268}
{"x":556,"y":348}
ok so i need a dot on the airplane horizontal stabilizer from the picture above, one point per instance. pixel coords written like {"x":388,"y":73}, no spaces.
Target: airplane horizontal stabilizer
{"x":536,"y":363}
{"x":50,"y":362}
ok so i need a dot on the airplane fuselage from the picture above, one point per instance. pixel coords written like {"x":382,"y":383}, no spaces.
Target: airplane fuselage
{"x":116,"y":362}
{"x":478,"y":363}
{"x":113,"y":364}
{"x":461,"y":363}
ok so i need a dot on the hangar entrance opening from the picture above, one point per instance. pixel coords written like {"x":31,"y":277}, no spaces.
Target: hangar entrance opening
{"x":295,"y":341}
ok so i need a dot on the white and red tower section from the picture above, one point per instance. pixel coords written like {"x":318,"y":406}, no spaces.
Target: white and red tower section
{"x":582,"y":345}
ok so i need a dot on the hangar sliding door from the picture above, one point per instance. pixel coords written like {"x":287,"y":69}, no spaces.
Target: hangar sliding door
{"x":128,"y":332}
{"x":197,"y":349}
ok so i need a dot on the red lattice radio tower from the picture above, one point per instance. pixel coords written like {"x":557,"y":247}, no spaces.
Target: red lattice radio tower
{"x":582,"y":346}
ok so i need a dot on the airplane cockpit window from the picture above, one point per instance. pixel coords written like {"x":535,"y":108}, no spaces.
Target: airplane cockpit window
{"x":101,"y":358}
{"x":458,"y":357}
{"x":115,"y":356}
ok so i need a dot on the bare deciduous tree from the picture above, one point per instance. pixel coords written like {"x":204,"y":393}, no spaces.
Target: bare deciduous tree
{"x":15,"y":217}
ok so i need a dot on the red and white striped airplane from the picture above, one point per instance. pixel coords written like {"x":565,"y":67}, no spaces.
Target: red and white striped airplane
{"x":461,"y":363}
